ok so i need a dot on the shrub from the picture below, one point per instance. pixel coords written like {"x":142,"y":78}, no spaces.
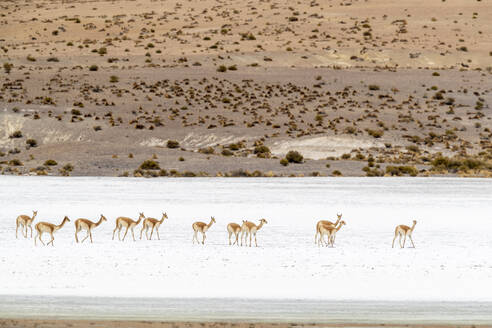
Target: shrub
{"x":97,"y":128}
{"x":7,"y":67}
{"x":261,"y":149}
{"x":294,"y":156}
{"x":336,"y":173}
{"x":93,"y":68}
{"x":15,"y":162}
{"x":207,"y":150}
{"x":373,"y":87}
{"x":31,"y":58}
{"x":75,"y":112}
{"x":284,"y":162}
{"x":31,"y":142}
{"x":102,"y":51}
{"x":68,"y":167}
{"x":375,"y":133}
{"x":172,"y":144}
{"x":16,"y":134}
{"x":113,"y":79}
{"x":227,"y":152}
{"x":222,"y":68}
{"x":53,"y":59}
{"x":149,"y":165}
{"x":401,"y":170}
{"x":50,"y":162}
{"x":346,"y":156}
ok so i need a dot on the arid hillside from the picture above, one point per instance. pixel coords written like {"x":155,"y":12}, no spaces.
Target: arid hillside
{"x":246,"y":88}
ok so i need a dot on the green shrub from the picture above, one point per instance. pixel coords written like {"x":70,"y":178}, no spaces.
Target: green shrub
{"x":207,"y":150}
{"x":16,"y":134}
{"x":149,"y":165}
{"x":227,"y":152}
{"x":294,"y":156}
{"x":284,"y":162}
{"x":172,"y":144}
{"x":401,"y":170}
{"x":336,"y":173}
{"x":373,"y":87}
{"x":50,"y":162}
{"x":7,"y":67}
{"x":222,"y":68}
{"x":31,"y":142}
{"x":113,"y":79}
{"x":261,"y":149}
{"x":15,"y":162}
{"x":375,"y":133}
{"x":93,"y":68}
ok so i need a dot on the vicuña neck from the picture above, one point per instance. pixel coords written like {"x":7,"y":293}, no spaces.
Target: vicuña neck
{"x":61,"y":224}
{"x":99,"y":222}
{"x":260,"y":225}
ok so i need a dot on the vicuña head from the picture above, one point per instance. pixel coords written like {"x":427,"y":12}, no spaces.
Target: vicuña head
{"x":263,"y":221}
{"x":339,"y":215}
{"x":164,"y":216}
{"x":66,"y":219}
{"x":103,"y":218}
{"x":34,"y":213}
{"x":212,"y":219}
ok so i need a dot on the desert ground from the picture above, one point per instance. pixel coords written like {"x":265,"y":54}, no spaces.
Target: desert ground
{"x":26,"y":323}
{"x":229,"y":88}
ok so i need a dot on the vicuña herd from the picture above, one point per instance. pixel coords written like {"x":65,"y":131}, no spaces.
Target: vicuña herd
{"x":246,"y":229}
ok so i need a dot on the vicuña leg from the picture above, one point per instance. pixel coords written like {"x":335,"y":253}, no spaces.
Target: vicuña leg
{"x":203,"y":240}
{"x":16,"y":229}
{"x":410,"y":236}
{"x":230,"y":234}
{"x":157,"y":232}
{"x":114,"y":231}
{"x":51,"y":241}
{"x":126,"y":231}
{"x":151,"y":233}
{"x":141,"y":232}
{"x":30,"y":227}
{"x":393,"y":245}
{"x":133,"y":235}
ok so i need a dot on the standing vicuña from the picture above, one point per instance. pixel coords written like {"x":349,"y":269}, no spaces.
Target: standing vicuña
{"x":25,"y":221}
{"x":234,"y":228}
{"x":201,"y":227}
{"x":50,"y":228}
{"x":154,"y":224}
{"x":331,"y":231}
{"x":124,"y":222}
{"x":403,"y":230}
{"x":325,"y":222}
{"x":249,"y":228}
{"x":88,"y":225}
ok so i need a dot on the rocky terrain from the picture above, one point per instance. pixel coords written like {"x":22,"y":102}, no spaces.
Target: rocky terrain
{"x":246,"y":88}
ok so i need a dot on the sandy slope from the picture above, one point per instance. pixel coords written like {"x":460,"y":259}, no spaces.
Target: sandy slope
{"x":318,"y":76}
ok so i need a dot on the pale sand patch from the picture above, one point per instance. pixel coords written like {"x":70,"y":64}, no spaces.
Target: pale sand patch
{"x":322,"y":147}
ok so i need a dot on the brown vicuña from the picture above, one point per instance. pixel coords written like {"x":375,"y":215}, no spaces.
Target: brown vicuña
{"x":50,"y":228}
{"x":234,"y":228}
{"x":124,"y":222}
{"x":249,"y":228}
{"x":330,"y":230}
{"x":201,"y":227}
{"x":325,"y":222}
{"x":403,"y":230}
{"x":25,"y":222}
{"x":87,"y":225}
{"x":153,"y":224}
